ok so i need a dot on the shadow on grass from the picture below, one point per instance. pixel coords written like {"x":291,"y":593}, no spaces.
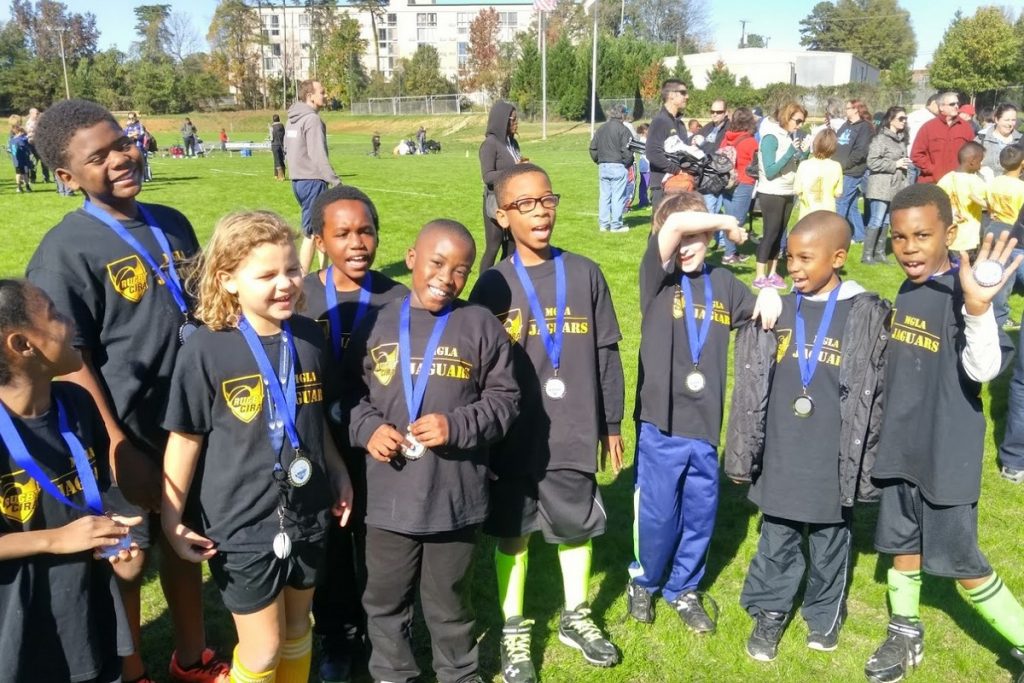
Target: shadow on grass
{"x":394,"y":269}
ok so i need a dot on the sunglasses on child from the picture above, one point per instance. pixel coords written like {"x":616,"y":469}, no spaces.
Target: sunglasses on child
{"x":528,"y":204}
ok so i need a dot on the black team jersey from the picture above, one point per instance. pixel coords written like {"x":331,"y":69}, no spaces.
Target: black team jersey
{"x":58,"y":613}
{"x":382,"y":290}
{"x":217,"y":391}
{"x":124,"y":315}
{"x":665,"y":361}
{"x":558,"y":434}
{"x":799,"y":477}
{"x":471,"y":383}
{"x":933,"y":427}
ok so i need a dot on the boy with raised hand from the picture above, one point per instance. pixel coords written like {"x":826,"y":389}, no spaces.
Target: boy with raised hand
{"x":113,"y":266}
{"x":945,"y":343}
{"x":803,"y":429}
{"x":346,"y":229}
{"x":689,"y":310}
{"x":558,"y":312}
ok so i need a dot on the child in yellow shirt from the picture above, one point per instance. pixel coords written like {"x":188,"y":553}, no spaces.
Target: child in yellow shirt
{"x":969,"y":196}
{"x":819,"y":179}
{"x":1005,"y":199}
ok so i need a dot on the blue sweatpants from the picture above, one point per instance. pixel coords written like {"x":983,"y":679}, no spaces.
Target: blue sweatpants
{"x":675,"y":500}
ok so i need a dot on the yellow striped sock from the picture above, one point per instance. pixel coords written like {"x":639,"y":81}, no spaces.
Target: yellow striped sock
{"x":239,"y":674}
{"x":296,"y":658}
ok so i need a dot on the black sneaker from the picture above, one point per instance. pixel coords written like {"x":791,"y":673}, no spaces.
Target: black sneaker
{"x":823,"y":642}
{"x":690,"y":607}
{"x":1019,"y":656}
{"x":763,"y":643}
{"x":335,"y":662}
{"x":577,"y":629}
{"x":516,"y":666}
{"x":639,"y":603}
{"x":902,"y":649}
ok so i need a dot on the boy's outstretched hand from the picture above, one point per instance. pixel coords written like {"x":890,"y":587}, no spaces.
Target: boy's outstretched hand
{"x":767,"y":308}
{"x":612,"y":445}
{"x":978,"y":297}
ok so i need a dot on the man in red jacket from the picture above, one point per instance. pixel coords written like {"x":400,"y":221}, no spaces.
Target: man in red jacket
{"x":939,"y":140}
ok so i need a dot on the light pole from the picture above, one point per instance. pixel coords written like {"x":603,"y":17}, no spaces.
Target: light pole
{"x":64,"y":62}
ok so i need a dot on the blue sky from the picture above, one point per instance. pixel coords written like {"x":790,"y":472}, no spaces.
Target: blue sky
{"x":777,"y":20}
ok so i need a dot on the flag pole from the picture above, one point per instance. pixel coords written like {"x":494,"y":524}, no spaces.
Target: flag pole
{"x":543,"y":78}
{"x":593,"y":76}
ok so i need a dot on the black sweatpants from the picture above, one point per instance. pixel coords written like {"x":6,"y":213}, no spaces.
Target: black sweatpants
{"x":496,"y":238}
{"x":775,"y":212}
{"x":774,"y":576}
{"x":441,"y":563}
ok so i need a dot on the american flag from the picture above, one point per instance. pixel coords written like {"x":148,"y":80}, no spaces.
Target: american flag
{"x":545,"y":5}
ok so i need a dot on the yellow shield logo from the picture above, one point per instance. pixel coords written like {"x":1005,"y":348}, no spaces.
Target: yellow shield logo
{"x":128,"y":276}
{"x":514,"y":325}
{"x":244,"y":396}
{"x":385,"y":359}
{"x":677,"y":304}
{"x":18,"y":501}
{"x":784,"y":337}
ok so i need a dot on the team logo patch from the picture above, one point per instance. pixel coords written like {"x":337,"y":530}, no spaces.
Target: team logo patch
{"x":784,"y":337}
{"x":677,"y":305}
{"x":514,"y":325}
{"x":18,"y":501}
{"x":385,"y":362}
{"x":244,"y":396}
{"x":129,"y":278}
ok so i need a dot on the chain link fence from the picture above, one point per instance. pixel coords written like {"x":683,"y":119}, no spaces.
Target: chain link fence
{"x":423,"y":104}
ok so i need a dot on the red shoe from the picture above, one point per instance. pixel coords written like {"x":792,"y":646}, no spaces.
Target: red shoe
{"x":210,"y":669}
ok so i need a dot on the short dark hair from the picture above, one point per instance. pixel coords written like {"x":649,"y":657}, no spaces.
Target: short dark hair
{"x":924,"y":194}
{"x":13,"y":316}
{"x":305,"y":89}
{"x":340,"y":193}
{"x":1011,"y":157}
{"x":670,"y":86}
{"x":275,"y":118}
{"x":450,"y":227}
{"x":743,"y":120}
{"x":931,"y":99}
{"x":970,"y":150}
{"x":59,"y":123}
{"x":514,"y":172}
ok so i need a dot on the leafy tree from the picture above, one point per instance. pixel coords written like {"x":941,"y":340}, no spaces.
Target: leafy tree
{"x":104,"y":78}
{"x":755,"y":40}
{"x":340,"y":66}
{"x":486,"y":70}
{"x":720,"y":78}
{"x":154,"y":34}
{"x":877,"y":31}
{"x":651,"y":79}
{"x":182,"y":38}
{"x":234,"y":58}
{"x":525,"y":83}
{"x":681,"y":72}
{"x":683,"y":23}
{"x":376,"y":9}
{"x":977,"y":53}
{"x":898,"y":78}
{"x":569,"y":77}
{"x":39,"y":22}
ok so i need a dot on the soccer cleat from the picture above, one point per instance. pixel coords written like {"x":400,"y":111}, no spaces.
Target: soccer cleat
{"x":763,"y":643}
{"x":516,"y":666}
{"x":690,"y":608}
{"x":209,"y":669}
{"x":1012,"y":475}
{"x":903,"y":648}
{"x":577,"y":629}
{"x":639,"y":603}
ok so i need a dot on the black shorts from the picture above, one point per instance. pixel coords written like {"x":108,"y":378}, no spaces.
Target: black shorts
{"x":945,"y":536}
{"x":249,"y":581}
{"x":145,"y":532}
{"x":565,"y":506}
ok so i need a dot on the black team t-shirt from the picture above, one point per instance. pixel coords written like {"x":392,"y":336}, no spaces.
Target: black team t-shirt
{"x":556,"y":434}
{"x":123,"y":314}
{"x":217,"y":391}
{"x":382,"y":290}
{"x":58,"y":615}
{"x":799,"y":477}
{"x":662,"y":397}
{"x":471,"y":383}
{"x":933,"y":427}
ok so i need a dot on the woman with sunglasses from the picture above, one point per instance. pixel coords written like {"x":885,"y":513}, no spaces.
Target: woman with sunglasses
{"x":889,"y":164}
{"x":852,"y":154}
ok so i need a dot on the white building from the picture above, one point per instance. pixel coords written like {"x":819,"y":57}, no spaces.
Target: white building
{"x":402,"y":26}
{"x":769,"y":65}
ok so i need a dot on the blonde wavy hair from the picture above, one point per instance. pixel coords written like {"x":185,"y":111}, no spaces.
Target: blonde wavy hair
{"x":234,"y":238}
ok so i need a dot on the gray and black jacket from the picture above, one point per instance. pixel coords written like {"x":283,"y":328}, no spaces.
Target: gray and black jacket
{"x":886,"y":178}
{"x":861,"y":382}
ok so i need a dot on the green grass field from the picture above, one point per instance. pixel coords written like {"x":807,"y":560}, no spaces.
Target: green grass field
{"x":409,"y":191}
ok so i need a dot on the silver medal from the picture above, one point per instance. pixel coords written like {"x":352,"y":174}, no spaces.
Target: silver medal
{"x":554,"y":388}
{"x":413,"y":451}
{"x":282,"y":546}
{"x":988,"y":273}
{"x":300,"y":471}
{"x":803,"y":406}
{"x":187,"y":329}
{"x":695,"y":381}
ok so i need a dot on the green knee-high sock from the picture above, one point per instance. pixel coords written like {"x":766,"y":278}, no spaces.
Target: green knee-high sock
{"x":511,"y":571}
{"x":905,"y":593}
{"x":575,"y":562}
{"x":996,"y":603}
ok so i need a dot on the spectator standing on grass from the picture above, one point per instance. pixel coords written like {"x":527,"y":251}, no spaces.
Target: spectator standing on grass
{"x":915,"y":120}
{"x":712,"y":134}
{"x":888,"y":164}
{"x":736,"y":200}
{"x":30,"y":129}
{"x":421,"y":140}
{"x":305,"y":145}
{"x":188,"y":137}
{"x":137,"y":133}
{"x":499,"y":151}
{"x":630,"y":191}
{"x":665,"y":124}
{"x":938,"y":141}
{"x":277,"y":146}
{"x":852,"y":154}
{"x":643,"y":170}
{"x":610,"y":151}
{"x":223,"y":140}
{"x":996,"y":136}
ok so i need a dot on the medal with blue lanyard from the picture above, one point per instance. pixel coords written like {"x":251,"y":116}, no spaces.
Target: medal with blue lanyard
{"x":695,"y":379}
{"x":334,"y":314}
{"x":554,"y":386}
{"x":282,"y":406}
{"x":414,"y":392}
{"x":90,"y":490}
{"x":803,"y":405}
{"x":172,"y":280}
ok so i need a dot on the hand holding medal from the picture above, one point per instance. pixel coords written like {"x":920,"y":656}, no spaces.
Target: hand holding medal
{"x":990,"y":271}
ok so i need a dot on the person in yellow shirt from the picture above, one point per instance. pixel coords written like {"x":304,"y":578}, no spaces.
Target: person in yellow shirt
{"x":819,"y":179}
{"x":969,"y":196}
{"x":1005,"y":200}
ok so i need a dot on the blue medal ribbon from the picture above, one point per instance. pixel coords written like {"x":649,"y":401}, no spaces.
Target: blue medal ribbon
{"x":809,"y":365}
{"x":552,"y":343}
{"x":282,"y":389}
{"x":334,"y":315}
{"x":172,"y":280}
{"x":697,"y":341}
{"x":414,"y":393}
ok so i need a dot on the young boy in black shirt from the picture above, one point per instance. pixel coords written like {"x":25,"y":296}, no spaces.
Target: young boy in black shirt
{"x":945,"y":342}
{"x":557,"y":310}
{"x":803,"y":429}
{"x":434,"y":379}
{"x":346,"y":230}
{"x":113,"y":266}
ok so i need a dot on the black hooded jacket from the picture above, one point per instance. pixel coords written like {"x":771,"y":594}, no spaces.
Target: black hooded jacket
{"x":499,"y":150}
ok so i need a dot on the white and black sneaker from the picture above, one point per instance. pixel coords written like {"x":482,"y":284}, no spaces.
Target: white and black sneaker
{"x":577,"y":629}
{"x":763,"y":643}
{"x":639,"y":603}
{"x":690,"y":608}
{"x":823,"y":642}
{"x":516,"y":666}
{"x":903,"y":648}
{"x":1018,"y":654}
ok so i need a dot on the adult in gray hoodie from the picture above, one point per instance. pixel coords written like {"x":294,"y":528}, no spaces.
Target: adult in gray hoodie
{"x":305,"y":146}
